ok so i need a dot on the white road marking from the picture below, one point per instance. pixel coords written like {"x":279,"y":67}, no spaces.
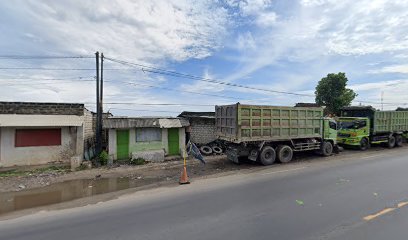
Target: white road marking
{"x":288,"y":170}
{"x":373,"y":156}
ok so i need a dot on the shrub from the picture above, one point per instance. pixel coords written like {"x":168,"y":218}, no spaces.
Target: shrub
{"x":137,"y":161}
{"x":103,"y":157}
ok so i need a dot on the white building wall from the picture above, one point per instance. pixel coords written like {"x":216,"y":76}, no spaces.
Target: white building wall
{"x":112,"y":143}
{"x":182,"y":140}
{"x":165,"y":140}
{"x":19,"y":156}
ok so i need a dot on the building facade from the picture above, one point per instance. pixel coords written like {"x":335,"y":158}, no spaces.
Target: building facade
{"x":149,"y":138}
{"x":40,"y":133}
{"x":202,"y":126}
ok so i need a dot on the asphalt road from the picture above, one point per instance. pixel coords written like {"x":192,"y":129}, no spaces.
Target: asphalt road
{"x":359,"y":196}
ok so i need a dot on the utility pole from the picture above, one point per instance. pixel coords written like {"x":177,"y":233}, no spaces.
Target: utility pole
{"x":98,"y":109}
{"x":101,"y":104}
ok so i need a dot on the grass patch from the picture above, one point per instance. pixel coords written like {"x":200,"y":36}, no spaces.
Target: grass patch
{"x":137,"y":161}
{"x":11,"y":173}
{"x":50,"y":169}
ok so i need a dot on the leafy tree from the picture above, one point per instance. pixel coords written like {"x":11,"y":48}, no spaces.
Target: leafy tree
{"x":331,"y":92}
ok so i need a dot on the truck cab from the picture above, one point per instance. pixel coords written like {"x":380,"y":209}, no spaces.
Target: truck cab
{"x":354,"y":131}
{"x":330,"y":130}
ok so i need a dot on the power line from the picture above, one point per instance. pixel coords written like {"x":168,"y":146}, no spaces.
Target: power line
{"x":189,"y":76}
{"x":45,"y":81}
{"x":143,"y":110}
{"x":41,"y":57}
{"x":156,"y":70}
{"x":154,"y":104}
{"x":178,"y":90}
{"x":59,"y":69}
{"x":28,"y":78}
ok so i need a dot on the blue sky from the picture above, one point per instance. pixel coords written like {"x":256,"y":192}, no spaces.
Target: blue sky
{"x":282,"y":45}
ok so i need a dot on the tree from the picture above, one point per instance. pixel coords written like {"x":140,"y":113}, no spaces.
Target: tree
{"x":331,"y":92}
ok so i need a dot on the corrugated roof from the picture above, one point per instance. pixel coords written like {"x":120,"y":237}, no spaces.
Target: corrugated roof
{"x":21,"y":120}
{"x":187,"y":114}
{"x":124,"y":122}
{"x":358,"y":108}
{"x":173,"y":123}
{"x":41,"y":108}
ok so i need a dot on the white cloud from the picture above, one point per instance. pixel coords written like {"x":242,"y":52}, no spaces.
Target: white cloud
{"x":318,"y":29}
{"x":250,"y":7}
{"x":266,"y":19}
{"x":202,"y":86}
{"x":392,"y":69}
{"x":152,"y":32}
{"x":258,"y":10}
{"x":246,"y":42}
{"x":140,"y":30}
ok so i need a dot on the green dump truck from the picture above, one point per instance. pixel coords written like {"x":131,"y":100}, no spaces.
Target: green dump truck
{"x":362,"y":126}
{"x":267,"y":133}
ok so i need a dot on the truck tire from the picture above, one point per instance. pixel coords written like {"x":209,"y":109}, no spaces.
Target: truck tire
{"x":327,"y":149}
{"x":216,"y":150}
{"x":391,"y":142}
{"x":364,"y":144}
{"x":267,"y":155}
{"x":285,"y":153}
{"x":206,"y":150}
{"x":398,"y":140}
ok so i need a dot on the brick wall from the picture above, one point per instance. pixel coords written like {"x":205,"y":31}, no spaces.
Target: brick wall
{"x":202,"y":130}
{"x":42,"y":108}
{"x":89,"y":128}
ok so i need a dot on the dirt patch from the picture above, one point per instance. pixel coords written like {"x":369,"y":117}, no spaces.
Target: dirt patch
{"x":166,"y":171}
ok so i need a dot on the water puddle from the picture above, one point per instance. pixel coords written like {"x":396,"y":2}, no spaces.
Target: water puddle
{"x":65,"y":191}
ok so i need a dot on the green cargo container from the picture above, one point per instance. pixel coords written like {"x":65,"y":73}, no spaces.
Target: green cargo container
{"x":380,"y":121}
{"x":390,"y":121}
{"x":242,"y":123}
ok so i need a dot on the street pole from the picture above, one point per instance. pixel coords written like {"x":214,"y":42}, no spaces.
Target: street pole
{"x":97,"y":132}
{"x":101,"y":104}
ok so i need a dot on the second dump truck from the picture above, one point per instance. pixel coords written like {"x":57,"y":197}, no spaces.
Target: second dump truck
{"x":269,"y":133}
{"x":361,"y":126}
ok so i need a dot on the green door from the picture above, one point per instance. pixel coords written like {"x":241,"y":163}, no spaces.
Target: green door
{"x":173,"y":137}
{"x":122,"y":144}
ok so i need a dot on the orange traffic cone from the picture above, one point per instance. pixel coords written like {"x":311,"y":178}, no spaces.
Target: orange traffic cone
{"x":184,"y":176}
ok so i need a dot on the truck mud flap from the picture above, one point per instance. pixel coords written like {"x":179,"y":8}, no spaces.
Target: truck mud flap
{"x":232,"y":155}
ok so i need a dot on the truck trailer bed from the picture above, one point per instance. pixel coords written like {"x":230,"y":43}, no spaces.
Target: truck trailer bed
{"x":249,"y":123}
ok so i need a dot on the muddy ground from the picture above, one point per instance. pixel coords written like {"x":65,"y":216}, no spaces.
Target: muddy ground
{"x":58,"y":188}
{"x":164,"y":172}
{"x":150,"y":172}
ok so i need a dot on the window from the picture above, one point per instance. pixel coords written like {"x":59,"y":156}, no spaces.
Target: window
{"x":360,"y":124}
{"x":148,"y":134}
{"x":333,"y":125}
{"x":37,"y":137}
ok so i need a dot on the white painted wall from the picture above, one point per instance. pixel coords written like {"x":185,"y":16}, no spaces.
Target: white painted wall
{"x":132,"y":138}
{"x":182,"y":140}
{"x":112,"y":143}
{"x":19,"y":156}
{"x":165,"y":140}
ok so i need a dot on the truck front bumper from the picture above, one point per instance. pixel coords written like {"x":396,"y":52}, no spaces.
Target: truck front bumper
{"x":355,"y":141}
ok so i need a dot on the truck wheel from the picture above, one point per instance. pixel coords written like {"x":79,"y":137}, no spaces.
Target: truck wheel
{"x":206,"y":150}
{"x":285,"y":153}
{"x":364,"y":144}
{"x":327,"y":149}
{"x":398,"y":140}
{"x":267,"y":156}
{"x":391,"y":142}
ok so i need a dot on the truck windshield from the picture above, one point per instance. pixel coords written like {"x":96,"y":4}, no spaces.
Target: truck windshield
{"x":352,"y":125}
